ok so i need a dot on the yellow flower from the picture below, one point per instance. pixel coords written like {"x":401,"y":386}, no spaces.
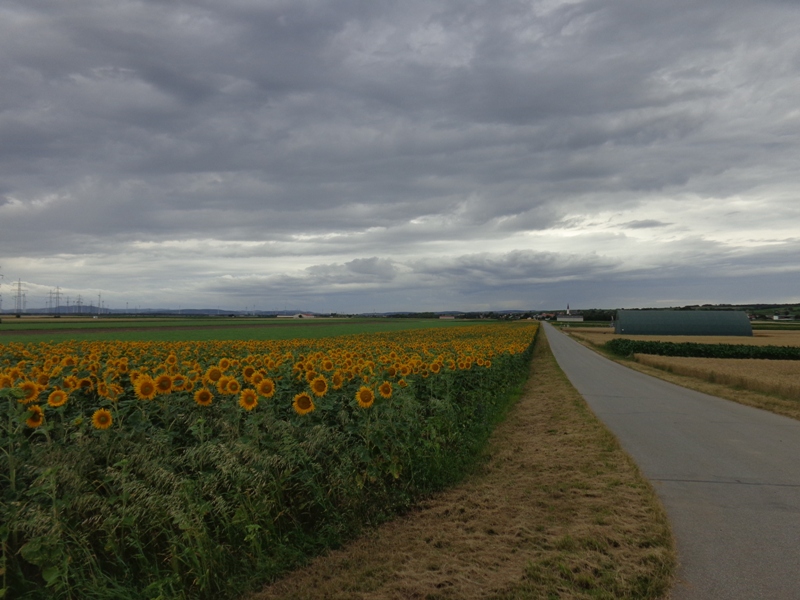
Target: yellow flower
{"x":163,"y":384}
{"x":266,"y":388}
{"x":303,"y":404}
{"x":248,"y":399}
{"x":385,"y":390}
{"x":319,"y":386}
{"x":57,"y":398}
{"x":365,"y":397}
{"x":36,"y":417}
{"x":31,"y":391}
{"x":233,"y":386}
{"x":101,"y":419}
{"x":203,"y":397}
{"x":145,"y":387}
{"x":213,"y":374}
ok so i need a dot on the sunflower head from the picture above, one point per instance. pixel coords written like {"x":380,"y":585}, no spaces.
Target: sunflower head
{"x":203,"y":397}
{"x":101,"y":419}
{"x":213,"y":374}
{"x":57,"y":398}
{"x":385,"y":390}
{"x":30,"y":389}
{"x":35,"y":416}
{"x":319,"y":386}
{"x":145,"y":387}
{"x":163,"y":384}
{"x":233,"y":386}
{"x":303,"y":404}
{"x":266,"y":388}
{"x":365,"y":397}
{"x":248,"y":399}
{"x":337,"y":380}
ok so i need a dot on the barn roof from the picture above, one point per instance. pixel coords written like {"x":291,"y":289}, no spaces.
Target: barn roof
{"x":682,"y":322}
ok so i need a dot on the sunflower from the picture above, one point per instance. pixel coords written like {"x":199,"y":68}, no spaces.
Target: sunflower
{"x":57,"y":398}
{"x":365,"y":397}
{"x":172,"y":359}
{"x":337,"y":380}
{"x":213,"y":374}
{"x":203,"y":397}
{"x":435,"y":368}
{"x":248,"y":372}
{"x":319,"y":386}
{"x":266,"y":388}
{"x":225,"y":364}
{"x":248,"y":399}
{"x":163,"y":384}
{"x":402,"y":383}
{"x":30,"y":389}
{"x":385,"y":390}
{"x":6,"y":381}
{"x":36,"y":416}
{"x":233,"y":386}
{"x":303,"y":404}
{"x":101,"y":419}
{"x":145,"y":387}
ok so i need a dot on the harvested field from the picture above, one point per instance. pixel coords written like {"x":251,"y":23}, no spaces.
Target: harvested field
{"x":760,"y":338}
{"x":556,"y":511}
{"x":779,"y":377}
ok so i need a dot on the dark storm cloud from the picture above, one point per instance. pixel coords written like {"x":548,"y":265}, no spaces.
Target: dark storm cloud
{"x":327,"y":145}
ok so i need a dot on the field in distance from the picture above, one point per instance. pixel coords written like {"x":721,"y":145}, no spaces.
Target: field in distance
{"x":46,"y":329}
{"x":773,"y":337}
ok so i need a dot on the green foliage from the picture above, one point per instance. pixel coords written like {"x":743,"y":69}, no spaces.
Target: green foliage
{"x":627,"y":347}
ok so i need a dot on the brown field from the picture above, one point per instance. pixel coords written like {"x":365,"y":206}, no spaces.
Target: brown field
{"x":779,"y":377}
{"x":598,"y":335}
{"x":557,"y":510}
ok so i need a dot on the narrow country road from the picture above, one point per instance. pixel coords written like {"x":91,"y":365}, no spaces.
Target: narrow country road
{"x":728,"y":475}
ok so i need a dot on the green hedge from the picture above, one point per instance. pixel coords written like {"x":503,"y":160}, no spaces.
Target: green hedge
{"x":626,"y":347}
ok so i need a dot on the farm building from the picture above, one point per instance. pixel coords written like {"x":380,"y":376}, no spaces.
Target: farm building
{"x":682,"y":322}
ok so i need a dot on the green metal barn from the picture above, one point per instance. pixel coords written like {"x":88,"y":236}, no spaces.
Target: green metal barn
{"x":682,"y":322}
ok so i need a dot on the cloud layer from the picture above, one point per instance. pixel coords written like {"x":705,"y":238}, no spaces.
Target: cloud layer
{"x":354,"y":155}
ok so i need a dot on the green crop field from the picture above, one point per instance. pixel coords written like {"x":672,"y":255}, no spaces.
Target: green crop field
{"x":203,"y":329}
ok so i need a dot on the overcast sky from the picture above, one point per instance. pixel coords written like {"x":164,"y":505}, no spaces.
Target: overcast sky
{"x":362,"y":155}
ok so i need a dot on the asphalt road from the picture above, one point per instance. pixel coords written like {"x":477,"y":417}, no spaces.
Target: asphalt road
{"x":727,"y":474}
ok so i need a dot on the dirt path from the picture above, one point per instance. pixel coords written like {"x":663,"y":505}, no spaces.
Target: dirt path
{"x":556,"y":510}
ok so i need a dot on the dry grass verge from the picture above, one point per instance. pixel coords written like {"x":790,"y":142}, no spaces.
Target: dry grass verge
{"x":556,"y":510}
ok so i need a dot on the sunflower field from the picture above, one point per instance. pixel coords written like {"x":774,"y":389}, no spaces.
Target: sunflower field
{"x":199,"y":469}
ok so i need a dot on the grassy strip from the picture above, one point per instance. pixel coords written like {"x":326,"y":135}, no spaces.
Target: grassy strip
{"x":556,"y":510}
{"x":735,"y":392}
{"x":628,"y":347}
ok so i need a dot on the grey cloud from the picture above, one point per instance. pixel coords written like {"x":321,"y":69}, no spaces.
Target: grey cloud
{"x":412,"y":125}
{"x":644,"y":224}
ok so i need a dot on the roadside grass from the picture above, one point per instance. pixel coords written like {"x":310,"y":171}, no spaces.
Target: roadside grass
{"x":223,"y":330}
{"x":747,"y":387}
{"x":555,"y":509}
